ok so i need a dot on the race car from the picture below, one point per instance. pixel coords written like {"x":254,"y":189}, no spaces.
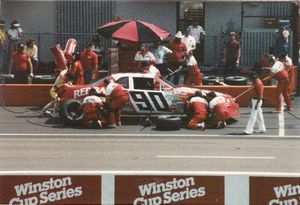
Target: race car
{"x":148,"y":95}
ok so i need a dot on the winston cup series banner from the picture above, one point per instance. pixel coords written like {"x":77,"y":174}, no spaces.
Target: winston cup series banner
{"x":34,"y":190}
{"x":274,"y":191}
{"x":155,"y":190}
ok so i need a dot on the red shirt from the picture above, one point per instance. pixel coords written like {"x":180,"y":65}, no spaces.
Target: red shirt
{"x":178,"y":49}
{"x":21,"y":61}
{"x":76,"y":70}
{"x":89,"y":60}
{"x":232,"y":49}
{"x":258,"y":88}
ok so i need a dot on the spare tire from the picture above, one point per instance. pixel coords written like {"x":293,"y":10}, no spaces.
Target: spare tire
{"x":168,"y":122}
{"x":72,"y":112}
{"x":236,"y":80}
{"x":211,"y":80}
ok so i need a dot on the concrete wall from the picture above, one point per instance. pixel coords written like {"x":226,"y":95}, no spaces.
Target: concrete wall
{"x":162,"y":14}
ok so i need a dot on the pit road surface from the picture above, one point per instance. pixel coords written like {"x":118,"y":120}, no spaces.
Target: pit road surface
{"x":29,"y":142}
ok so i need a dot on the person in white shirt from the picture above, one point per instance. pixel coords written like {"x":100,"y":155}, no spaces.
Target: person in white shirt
{"x":142,"y":56}
{"x":189,"y":40}
{"x":14,"y":35}
{"x":198,"y":33}
{"x":32,"y":50}
{"x":160,"y":52}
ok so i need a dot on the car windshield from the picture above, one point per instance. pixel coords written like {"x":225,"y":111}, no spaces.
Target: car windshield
{"x":168,"y":82}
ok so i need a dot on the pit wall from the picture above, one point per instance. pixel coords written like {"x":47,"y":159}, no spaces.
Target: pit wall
{"x":149,"y":188}
{"x":38,"y":95}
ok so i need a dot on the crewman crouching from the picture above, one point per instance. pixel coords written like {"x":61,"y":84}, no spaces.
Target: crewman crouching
{"x":218,"y":111}
{"x":93,"y":106}
{"x":197,"y":105}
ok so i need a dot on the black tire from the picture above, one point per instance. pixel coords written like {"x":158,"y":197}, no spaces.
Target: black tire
{"x":168,"y":122}
{"x":236,"y":80}
{"x":211,"y":80}
{"x":72,"y":112}
{"x":43,"y":79}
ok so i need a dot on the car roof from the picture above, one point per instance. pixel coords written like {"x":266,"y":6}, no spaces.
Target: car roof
{"x":140,"y":75}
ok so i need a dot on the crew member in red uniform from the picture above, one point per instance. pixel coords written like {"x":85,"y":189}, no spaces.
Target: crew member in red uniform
{"x":89,"y":61}
{"x":256,"y":116}
{"x":93,"y":107}
{"x":197,"y":105}
{"x":116,"y":97}
{"x":278,"y":73}
{"x":175,"y":59}
{"x":194,"y":76}
{"x":218,"y":111}
{"x":288,"y":66}
{"x":21,"y":63}
{"x":75,"y":70}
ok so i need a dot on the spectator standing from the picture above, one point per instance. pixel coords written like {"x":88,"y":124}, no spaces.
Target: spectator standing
{"x":32,"y":50}
{"x":3,"y":46}
{"x":198,"y":33}
{"x":89,"y":60}
{"x":194,"y":76}
{"x":197,"y":106}
{"x":15,"y":33}
{"x":175,"y":59}
{"x":279,"y":73}
{"x":281,"y":41}
{"x":256,"y":115}
{"x":160,"y":53}
{"x":21,"y":63}
{"x":189,"y":40}
{"x":232,"y":54}
{"x":143,"y":56}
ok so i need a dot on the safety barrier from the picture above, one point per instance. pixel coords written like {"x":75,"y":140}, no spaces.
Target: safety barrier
{"x":151,"y":188}
{"x":38,"y":95}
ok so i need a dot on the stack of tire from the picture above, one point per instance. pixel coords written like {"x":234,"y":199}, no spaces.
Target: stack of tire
{"x":211,"y":80}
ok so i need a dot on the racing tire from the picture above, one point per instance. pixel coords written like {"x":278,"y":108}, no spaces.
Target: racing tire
{"x":167,"y":122}
{"x":211,"y":80}
{"x":72,"y":112}
{"x":236,"y":80}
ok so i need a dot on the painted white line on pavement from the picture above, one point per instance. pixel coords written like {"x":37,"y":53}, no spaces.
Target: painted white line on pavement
{"x":141,"y":135}
{"x":213,"y":157}
{"x":147,"y":172}
{"x":281,"y":124}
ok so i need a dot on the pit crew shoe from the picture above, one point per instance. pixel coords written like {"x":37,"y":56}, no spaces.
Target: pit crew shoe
{"x":221,"y":124}
{"x":112,"y":126}
{"x":201,"y":126}
{"x":246,"y":133}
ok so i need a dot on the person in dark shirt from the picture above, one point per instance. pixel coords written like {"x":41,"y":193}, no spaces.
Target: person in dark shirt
{"x":232,"y":54}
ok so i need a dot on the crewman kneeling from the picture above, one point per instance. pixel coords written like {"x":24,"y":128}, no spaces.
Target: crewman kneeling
{"x":116,"y":97}
{"x":94,"y":109}
{"x":197,"y":104}
{"x":218,"y":111}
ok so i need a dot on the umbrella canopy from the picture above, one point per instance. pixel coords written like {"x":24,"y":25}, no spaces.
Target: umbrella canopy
{"x":133,"y":30}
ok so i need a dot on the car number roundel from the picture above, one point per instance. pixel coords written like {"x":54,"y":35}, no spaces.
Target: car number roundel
{"x":149,"y":101}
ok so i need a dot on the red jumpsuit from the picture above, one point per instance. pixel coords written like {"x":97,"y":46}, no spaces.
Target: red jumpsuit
{"x":283,"y":85}
{"x":77,"y":71}
{"x":199,"y":106}
{"x":194,"y":76}
{"x":117,"y":96}
{"x":218,"y":106}
{"x":91,"y":106}
{"x":288,"y":65}
{"x":153,"y":70}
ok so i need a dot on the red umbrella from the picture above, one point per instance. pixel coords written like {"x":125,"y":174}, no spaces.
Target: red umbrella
{"x":133,"y":30}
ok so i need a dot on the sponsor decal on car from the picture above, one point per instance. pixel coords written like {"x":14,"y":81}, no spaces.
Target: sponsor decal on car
{"x":274,"y":191}
{"x":155,"y":190}
{"x":33,"y":190}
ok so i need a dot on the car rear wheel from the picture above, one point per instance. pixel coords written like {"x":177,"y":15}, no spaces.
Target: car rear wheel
{"x":167,"y":122}
{"x":72,"y":112}
{"x":236,"y":80}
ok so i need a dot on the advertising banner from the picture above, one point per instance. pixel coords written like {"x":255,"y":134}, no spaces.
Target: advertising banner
{"x":33,"y":190}
{"x":183,"y":190}
{"x":274,"y":191}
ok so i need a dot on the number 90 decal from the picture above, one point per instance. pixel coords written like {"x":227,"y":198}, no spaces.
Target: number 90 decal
{"x":149,"y":101}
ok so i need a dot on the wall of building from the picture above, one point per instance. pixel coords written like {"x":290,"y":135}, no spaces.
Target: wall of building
{"x":162,"y":14}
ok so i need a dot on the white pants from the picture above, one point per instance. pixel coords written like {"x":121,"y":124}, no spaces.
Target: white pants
{"x":256,"y":116}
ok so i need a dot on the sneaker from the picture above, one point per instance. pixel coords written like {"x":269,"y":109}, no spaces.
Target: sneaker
{"x":99,"y":123}
{"x":201,"y":126}
{"x":246,"y":133}
{"x":118,"y":123}
{"x":112,"y":126}
{"x":221,"y":124}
